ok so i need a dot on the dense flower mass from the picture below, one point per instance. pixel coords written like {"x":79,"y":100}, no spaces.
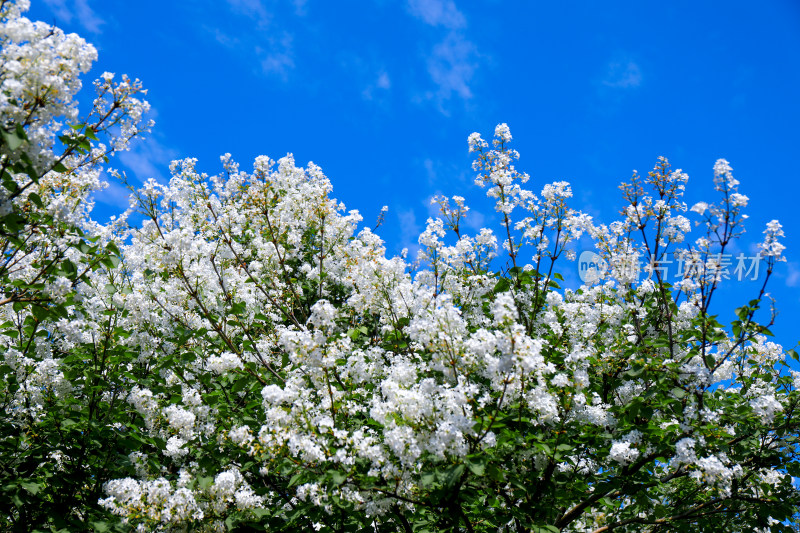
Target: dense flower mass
{"x":249,"y":358}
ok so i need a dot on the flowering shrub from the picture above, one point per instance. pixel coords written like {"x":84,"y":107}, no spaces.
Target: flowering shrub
{"x":250,"y":359}
{"x":61,"y":370}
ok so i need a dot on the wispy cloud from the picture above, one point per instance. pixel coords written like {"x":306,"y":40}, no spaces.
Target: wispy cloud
{"x":147,"y":159}
{"x":475,"y":220}
{"x":228,"y":41}
{"x":381,"y":83}
{"x":300,"y":8}
{"x":452,"y":65}
{"x":278,"y":59}
{"x":409,"y":231}
{"x":67,"y":10}
{"x":437,"y":13}
{"x":258,"y":38}
{"x":622,"y":75}
{"x":430,"y":170}
{"x":793,"y":276}
{"x":368,"y":74}
{"x":446,"y":176}
{"x":453,"y":61}
{"x":115,"y":194}
{"x":253,"y":9}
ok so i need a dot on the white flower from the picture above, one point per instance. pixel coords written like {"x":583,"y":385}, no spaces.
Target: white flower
{"x":174,"y":448}
{"x":770,"y":247}
{"x":224,"y":362}
{"x":766,"y":407}
{"x":623,"y":453}
{"x":684,"y":452}
{"x":323,"y":315}
{"x":502,"y":133}
{"x":700,"y":208}
{"x":504,"y":309}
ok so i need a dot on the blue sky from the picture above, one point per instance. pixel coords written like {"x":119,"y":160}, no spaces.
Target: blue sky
{"x":382,"y":95}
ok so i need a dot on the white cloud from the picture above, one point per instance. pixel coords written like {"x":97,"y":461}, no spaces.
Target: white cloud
{"x":446,"y":176}
{"x":147,"y":159}
{"x":300,"y":8}
{"x":623,"y":75}
{"x":793,"y":277}
{"x":453,"y":61}
{"x":437,"y":13}
{"x":259,"y":37}
{"x":409,"y":231}
{"x":274,"y":56}
{"x":252,"y":9}
{"x":115,"y":194}
{"x":452,"y":65}
{"x":430,"y":170}
{"x":382,"y":83}
{"x":474,"y":220}
{"x":279,"y":58}
{"x":224,"y":39}
{"x":80,"y":10}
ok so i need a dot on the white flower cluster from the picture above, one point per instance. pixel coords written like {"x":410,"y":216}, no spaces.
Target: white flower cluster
{"x":624,"y":450}
{"x":169,"y":505}
{"x":467,"y":350}
{"x":771,"y":248}
{"x":380,"y":381}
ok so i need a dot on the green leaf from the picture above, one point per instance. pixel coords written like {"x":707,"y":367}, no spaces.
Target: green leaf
{"x":40,"y":313}
{"x":678,"y":393}
{"x":494,"y":473}
{"x":502,"y":285}
{"x":37,"y":201}
{"x":477,"y":465}
{"x":454,"y":474}
{"x":33,"y":488}
{"x":69,"y":268}
{"x":544,"y":529}
{"x":111,"y":247}
{"x":427,"y":479}
{"x":13,"y":139}
{"x":101,"y":526}
{"x":764,"y":331}
{"x":337,"y":477}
